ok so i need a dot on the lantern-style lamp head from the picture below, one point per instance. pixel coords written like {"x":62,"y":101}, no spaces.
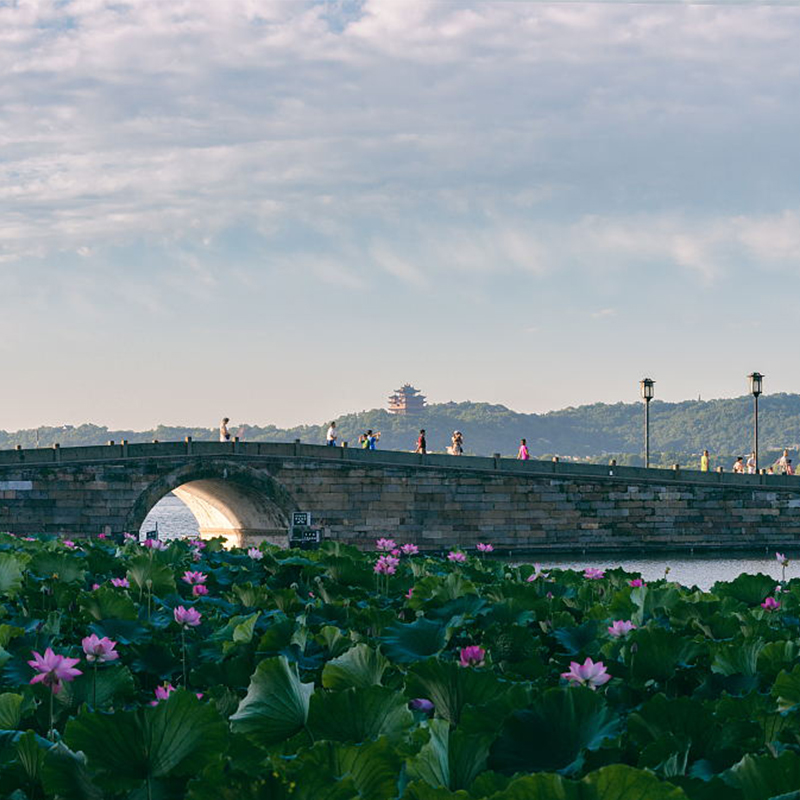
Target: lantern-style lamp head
{"x":646,"y":385}
{"x":756,"y":383}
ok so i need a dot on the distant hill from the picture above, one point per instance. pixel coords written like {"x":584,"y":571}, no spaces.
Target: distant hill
{"x":679,"y":431}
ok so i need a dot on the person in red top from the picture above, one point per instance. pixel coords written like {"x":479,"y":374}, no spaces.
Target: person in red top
{"x":422,"y":445}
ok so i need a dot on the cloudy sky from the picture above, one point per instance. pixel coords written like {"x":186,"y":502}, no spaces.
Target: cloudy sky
{"x":282,"y":209}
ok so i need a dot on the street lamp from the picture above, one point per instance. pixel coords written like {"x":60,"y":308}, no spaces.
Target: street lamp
{"x":756,"y":388}
{"x":646,"y":386}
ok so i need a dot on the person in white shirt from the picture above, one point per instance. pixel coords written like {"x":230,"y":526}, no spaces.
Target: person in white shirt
{"x":331,"y":437}
{"x":224,"y":434}
{"x":751,"y":464}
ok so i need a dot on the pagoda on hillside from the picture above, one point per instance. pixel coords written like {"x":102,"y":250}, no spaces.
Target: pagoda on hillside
{"x":406,"y":400}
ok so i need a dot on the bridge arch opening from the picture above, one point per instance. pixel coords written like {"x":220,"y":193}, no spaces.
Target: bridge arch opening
{"x":243,"y":505}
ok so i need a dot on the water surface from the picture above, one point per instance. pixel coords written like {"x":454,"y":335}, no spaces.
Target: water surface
{"x":174,"y":520}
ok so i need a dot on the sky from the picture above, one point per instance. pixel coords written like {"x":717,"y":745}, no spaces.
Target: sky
{"x":281,"y":210}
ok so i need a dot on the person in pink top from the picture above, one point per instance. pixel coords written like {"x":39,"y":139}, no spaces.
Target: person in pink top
{"x":523,"y":454}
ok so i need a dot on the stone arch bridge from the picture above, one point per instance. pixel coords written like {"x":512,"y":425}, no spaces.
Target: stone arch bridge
{"x":246,"y":491}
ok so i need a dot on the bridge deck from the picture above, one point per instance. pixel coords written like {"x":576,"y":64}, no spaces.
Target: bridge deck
{"x":247,"y":450}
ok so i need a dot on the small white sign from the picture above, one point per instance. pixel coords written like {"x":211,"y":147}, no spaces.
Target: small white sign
{"x":16,"y":486}
{"x":301,"y":519}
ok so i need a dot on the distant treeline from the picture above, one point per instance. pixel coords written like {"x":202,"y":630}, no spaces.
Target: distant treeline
{"x":679,"y":431}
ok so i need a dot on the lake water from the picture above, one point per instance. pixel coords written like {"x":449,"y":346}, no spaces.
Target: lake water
{"x":174,"y":520}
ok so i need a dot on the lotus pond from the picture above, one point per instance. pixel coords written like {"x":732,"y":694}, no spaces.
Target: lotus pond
{"x":130,"y":671}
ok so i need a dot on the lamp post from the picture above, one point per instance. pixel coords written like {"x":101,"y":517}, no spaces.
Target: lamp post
{"x":756,"y":387}
{"x":646,"y":386}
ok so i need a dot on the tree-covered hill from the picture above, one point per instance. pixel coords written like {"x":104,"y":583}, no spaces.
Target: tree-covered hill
{"x":678,"y":430}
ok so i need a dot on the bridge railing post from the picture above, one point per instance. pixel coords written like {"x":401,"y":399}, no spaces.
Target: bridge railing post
{"x":124,"y":448}
{"x":57,"y":453}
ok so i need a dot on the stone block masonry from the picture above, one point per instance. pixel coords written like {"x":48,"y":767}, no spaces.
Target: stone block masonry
{"x":249,"y":492}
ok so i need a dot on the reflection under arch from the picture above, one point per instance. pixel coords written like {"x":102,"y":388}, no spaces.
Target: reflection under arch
{"x":243,"y":505}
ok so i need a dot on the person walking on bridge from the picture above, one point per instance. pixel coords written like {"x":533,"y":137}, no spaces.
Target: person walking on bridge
{"x":422,"y":444}
{"x":224,"y":433}
{"x":330,"y":438}
{"x":523,"y":454}
{"x":704,"y":461}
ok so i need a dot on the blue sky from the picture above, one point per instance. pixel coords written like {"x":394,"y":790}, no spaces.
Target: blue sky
{"x":280,"y":210}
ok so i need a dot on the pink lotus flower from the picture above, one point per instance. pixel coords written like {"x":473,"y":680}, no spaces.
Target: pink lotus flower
{"x":193,"y":578}
{"x":68,"y":543}
{"x":621,"y":628}
{"x":121,"y":583}
{"x":129,"y":537}
{"x":198,"y":544}
{"x":102,"y":536}
{"x":255,"y":554}
{"x":410,"y":593}
{"x":594,"y":574}
{"x":28,"y":538}
{"x":457,"y":556}
{"x":409,"y":549}
{"x":771,"y":604}
{"x":781,"y":559}
{"x":472,"y":656}
{"x":590,"y":673}
{"x":54,"y":670}
{"x":187,"y":617}
{"x":636,"y":582}
{"x":199,"y":590}
{"x":95,"y":587}
{"x":154,"y":544}
{"x":386,"y":565}
{"x":99,"y":650}
{"x":484,"y":548}
{"x":421,"y":704}
{"x":537,"y":573}
{"x":163,"y":692}
{"x":387,"y":545}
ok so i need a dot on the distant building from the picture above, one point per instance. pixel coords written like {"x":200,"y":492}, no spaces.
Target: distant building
{"x":406,"y":400}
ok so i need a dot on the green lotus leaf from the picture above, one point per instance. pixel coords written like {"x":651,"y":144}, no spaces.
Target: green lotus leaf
{"x":685,"y":719}
{"x":358,"y":715}
{"x":777,"y":656}
{"x":739,"y":659}
{"x":419,"y":790}
{"x":122,"y":631}
{"x":127,"y":748}
{"x":554,"y":733}
{"x":148,"y":575}
{"x":658,"y":653}
{"x":765,"y":777}
{"x":578,"y":639}
{"x":372,"y":767}
{"x":276,"y":705}
{"x":359,"y":667}
{"x":108,"y":603}
{"x":450,"y":687}
{"x":13,"y":707}
{"x":66,"y":775}
{"x":786,"y":689}
{"x":621,"y":782}
{"x":406,"y":643}
{"x":450,"y":759}
{"x":749,"y":589}
{"x":113,"y":683}
{"x":50,"y":564}
{"x":11,"y":574}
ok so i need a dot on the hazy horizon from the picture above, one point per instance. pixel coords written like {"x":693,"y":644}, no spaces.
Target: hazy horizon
{"x":282,"y":210}
{"x":236,"y":421}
